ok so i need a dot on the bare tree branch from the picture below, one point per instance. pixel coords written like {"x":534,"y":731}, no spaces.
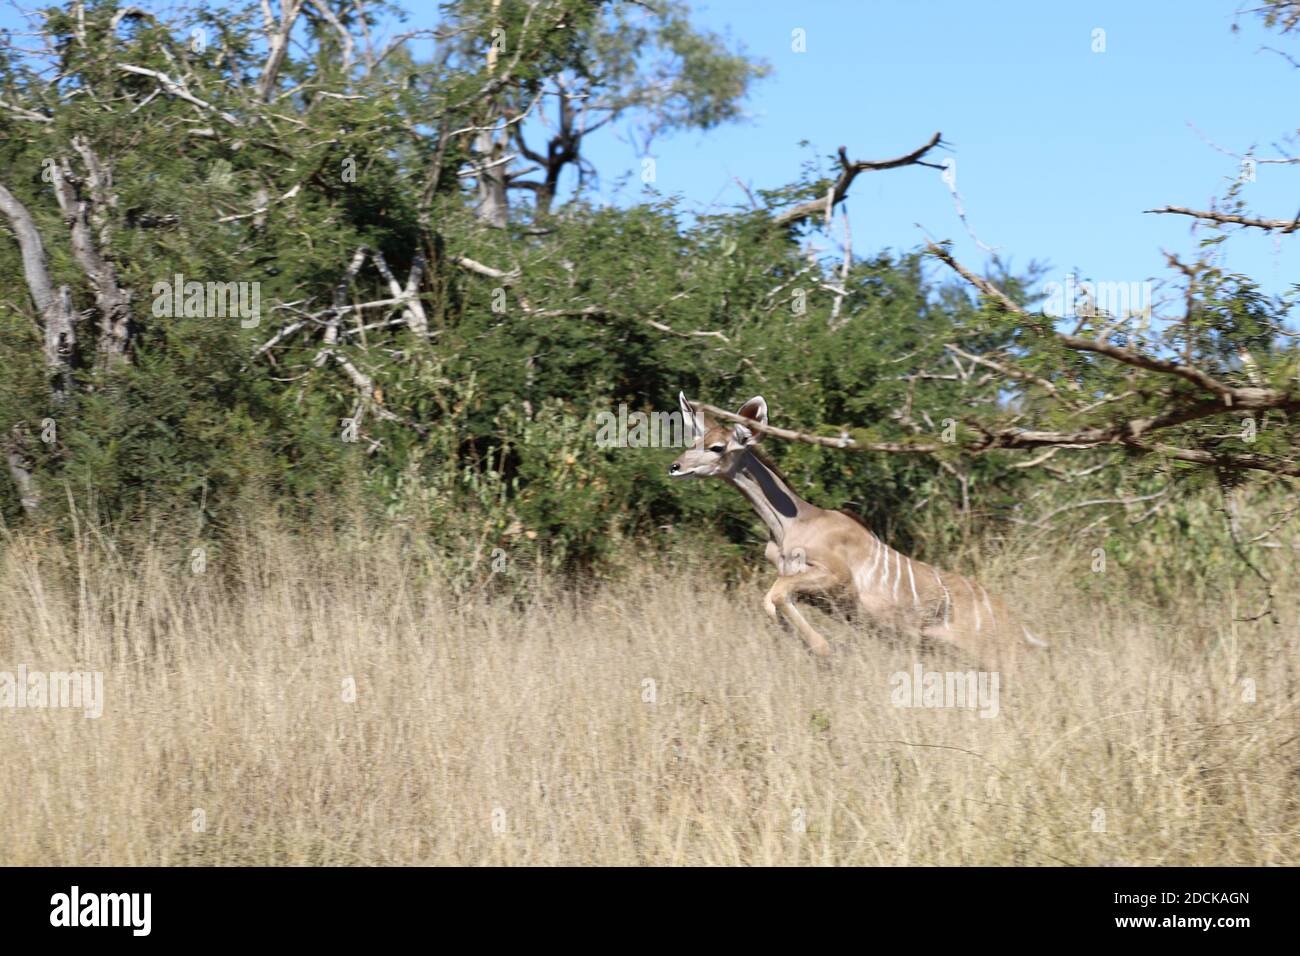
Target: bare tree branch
{"x":471,"y":265}
{"x":340,"y":304}
{"x":1282,"y":225}
{"x":25,"y":114}
{"x":413,"y":310}
{"x":21,"y":471}
{"x":178,"y":90}
{"x":111,"y":300}
{"x":844,"y":441}
{"x":57,"y":316}
{"x":848,"y":172}
{"x":1006,"y":370}
{"x":277,"y":36}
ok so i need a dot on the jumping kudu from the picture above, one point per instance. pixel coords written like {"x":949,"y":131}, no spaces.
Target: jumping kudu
{"x":832,"y":553}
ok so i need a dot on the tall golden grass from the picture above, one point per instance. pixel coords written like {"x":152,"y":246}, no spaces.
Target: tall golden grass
{"x":656,"y":719}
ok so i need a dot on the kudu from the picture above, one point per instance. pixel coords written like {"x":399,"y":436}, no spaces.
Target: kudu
{"x":835,"y":554}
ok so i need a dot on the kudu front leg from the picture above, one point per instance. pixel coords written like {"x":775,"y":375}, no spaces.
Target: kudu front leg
{"x":779,"y":596}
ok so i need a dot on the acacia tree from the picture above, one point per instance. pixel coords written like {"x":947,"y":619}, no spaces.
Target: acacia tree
{"x":163,"y":146}
{"x":643,"y":65}
{"x":137,"y":148}
{"x":291,"y":145}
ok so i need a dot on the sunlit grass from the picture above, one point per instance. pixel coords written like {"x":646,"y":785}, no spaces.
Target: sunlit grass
{"x":661,"y":719}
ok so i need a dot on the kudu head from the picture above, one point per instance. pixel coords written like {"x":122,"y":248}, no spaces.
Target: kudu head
{"x":715,"y":449}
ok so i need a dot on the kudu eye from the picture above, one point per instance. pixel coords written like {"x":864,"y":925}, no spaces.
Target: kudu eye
{"x":717,"y":449}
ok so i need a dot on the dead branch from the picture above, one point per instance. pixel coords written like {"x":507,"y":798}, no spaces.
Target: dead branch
{"x":413,"y":310}
{"x":340,"y":304}
{"x":1097,"y":502}
{"x":1229,"y":509}
{"x":178,"y":90}
{"x":25,"y":113}
{"x":261,"y":211}
{"x":1006,"y":370}
{"x":848,"y":172}
{"x":1228,"y":462}
{"x":21,"y":471}
{"x":284,"y":333}
{"x":277,"y":37}
{"x":345,"y":36}
{"x":1268,"y":225}
{"x":470,"y":265}
{"x":58,"y":320}
{"x":111,"y":300}
{"x":843,"y":441}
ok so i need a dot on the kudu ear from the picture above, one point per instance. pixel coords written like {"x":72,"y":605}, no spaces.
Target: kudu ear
{"x":755,"y":409}
{"x":692,"y":422}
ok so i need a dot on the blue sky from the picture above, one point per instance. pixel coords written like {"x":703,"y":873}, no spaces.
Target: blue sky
{"x":1058,"y":149}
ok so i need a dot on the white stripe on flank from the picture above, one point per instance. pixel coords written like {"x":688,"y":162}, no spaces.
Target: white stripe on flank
{"x":975,"y":604}
{"x":898,"y":571}
{"x":916,"y":601}
{"x":947,"y":599}
{"x":884,"y":580}
{"x":989,"y":607}
{"x":862,"y":576}
{"x":875,"y":562}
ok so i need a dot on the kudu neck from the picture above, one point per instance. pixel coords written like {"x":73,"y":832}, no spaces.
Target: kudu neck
{"x":772,"y":497}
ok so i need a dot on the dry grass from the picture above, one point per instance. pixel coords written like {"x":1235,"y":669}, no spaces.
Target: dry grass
{"x":1132,"y":743}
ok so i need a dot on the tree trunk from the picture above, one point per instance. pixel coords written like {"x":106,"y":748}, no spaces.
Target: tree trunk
{"x":493,"y":202}
{"x":111,"y":301}
{"x":20,"y":470}
{"x":57,"y":316}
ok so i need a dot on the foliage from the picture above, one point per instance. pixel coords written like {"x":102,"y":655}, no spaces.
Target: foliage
{"x":480,"y":429}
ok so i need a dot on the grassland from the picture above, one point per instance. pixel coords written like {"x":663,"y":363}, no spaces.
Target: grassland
{"x":656,"y":719}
